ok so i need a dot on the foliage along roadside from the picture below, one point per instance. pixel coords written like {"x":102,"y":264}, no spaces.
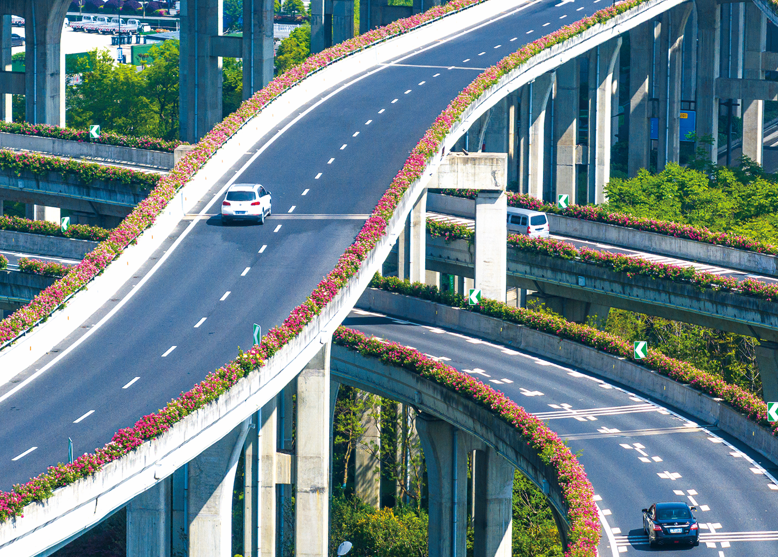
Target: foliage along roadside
{"x":737,"y":397}
{"x":619,"y":263}
{"x":45,"y":268}
{"x":577,"y":491}
{"x":218,"y":382}
{"x":601,"y":214}
{"x":87,"y":172}
{"x":3,"y":262}
{"x":48,"y":228}
{"x":106,"y":138}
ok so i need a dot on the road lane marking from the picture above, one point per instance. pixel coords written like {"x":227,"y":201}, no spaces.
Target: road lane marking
{"x":25,"y":453}
{"x":342,"y":146}
{"x":292,"y":208}
{"x":481,"y":53}
{"x":331,"y":160}
{"x":607,"y":528}
{"x":669,"y":475}
{"x":368,"y":122}
{"x":305,"y":192}
{"x":355,"y":134}
{"x":436,"y":75}
{"x":200,"y":322}
{"x":382,"y":111}
{"x":245,"y":271}
{"x":422,"y":82}
{"x":394,"y":101}
{"x":467,"y":60}
{"x":546,"y":24}
{"x":408,"y":91}
{"x":563,"y":16}
{"x":498,"y":46}
{"x":128,"y":385}
{"x":277,"y":228}
{"x":263,"y":248}
{"x":169,"y":350}
{"x":318,"y":176}
{"x":225,"y":296}
{"x":85,"y":416}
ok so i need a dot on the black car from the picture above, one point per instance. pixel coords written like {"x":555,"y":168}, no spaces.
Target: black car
{"x":666,"y":523}
{"x":16,"y":40}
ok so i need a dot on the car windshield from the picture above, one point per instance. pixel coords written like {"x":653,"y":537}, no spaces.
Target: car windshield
{"x":679,"y":513}
{"x":240,"y":196}
{"x":537,"y":220}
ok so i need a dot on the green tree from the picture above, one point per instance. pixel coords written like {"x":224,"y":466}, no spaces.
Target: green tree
{"x":233,"y":12}
{"x":232,"y":85}
{"x":277,"y":6}
{"x":535,"y":532}
{"x":293,"y":7}
{"x":294,"y":49}
{"x":161,"y":77}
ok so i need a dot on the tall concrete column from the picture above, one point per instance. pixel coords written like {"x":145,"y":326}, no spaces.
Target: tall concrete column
{"x":540,"y":90}
{"x":513,"y":139}
{"x":179,"y":523}
{"x":251,"y":487}
{"x":342,"y":20}
{"x":767,"y":362}
{"x":641,"y":44}
{"x":200,"y":72}
{"x":709,"y":41}
{"x":211,"y":485}
{"x":669,"y":65}
{"x":493,"y":504}
{"x":313,"y":458}
{"x":403,"y":252}
{"x":602,"y":63}
{"x":523,"y":144}
{"x":418,"y":237}
{"x":149,"y":522}
{"x":6,"y":112}
{"x":367,"y":465}
{"x":257,"y":45}
{"x":689,"y":71}
{"x":490,"y":248}
{"x":496,"y":134}
{"x":753,"y":109}
{"x":566,"y":128}
{"x":321,"y":25}
{"x":447,"y":479}
{"x":267,"y":449}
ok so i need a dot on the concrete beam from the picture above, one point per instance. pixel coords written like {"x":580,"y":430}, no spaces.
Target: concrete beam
{"x":227,"y":47}
{"x":472,"y":171}
{"x":12,"y":82}
{"x":727,"y":88}
{"x":313,"y":457}
{"x":16,"y":287}
{"x":149,"y":525}
{"x":490,"y":247}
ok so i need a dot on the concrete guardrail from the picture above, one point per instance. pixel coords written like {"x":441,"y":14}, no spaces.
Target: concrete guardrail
{"x":41,"y":244}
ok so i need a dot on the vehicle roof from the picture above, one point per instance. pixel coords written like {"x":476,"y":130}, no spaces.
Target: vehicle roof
{"x":244,"y":187}
{"x":673,"y":505}
{"x":524,"y":211}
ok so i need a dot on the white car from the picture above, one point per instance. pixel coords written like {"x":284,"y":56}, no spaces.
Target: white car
{"x":246,"y":202}
{"x":530,"y":223}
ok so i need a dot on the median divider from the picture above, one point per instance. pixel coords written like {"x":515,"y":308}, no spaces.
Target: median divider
{"x":700,"y":394}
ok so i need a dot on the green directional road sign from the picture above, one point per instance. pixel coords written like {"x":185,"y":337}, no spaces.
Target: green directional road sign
{"x":257,"y":334}
{"x":474,"y":297}
{"x":94,"y":132}
{"x":562,"y":201}
{"x":64,"y":224}
{"x":772,"y":411}
{"x":641,"y":349}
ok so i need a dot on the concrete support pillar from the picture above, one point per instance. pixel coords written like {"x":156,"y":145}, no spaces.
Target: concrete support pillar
{"x":211,"y":484}
{"x":342,"y":20}
{"x":1,"y":208}
{"x":313,"y":458}
{"x":257,"y":45}
{"x":44,"y":62}
{"x":641,"y":41}
{"x":403,"y":253}
{"x":540,"y":90}
{"x":566,"y":128}
{"x":321,"y":25}
{"x":602,"y":63}
{"x":513,"y":140}
{"x":418,"y":237}
{"x":753,"y":109}
{"x":251,"y":487}
{"x":149,"y":522}
{"x":709,"y":41}
{"x":6,"y":112}
{"x":523,"y":143}
{"x":490,"y":247}
{"x":447,"y":479}
{"x":689,"y":70}
{"x":493,"y":520}
{"x":29,"y":211}
{"x":767,"y":362}
{"x":669,"y":65}
{"x":497,"y":133}
{"x":367,"y":471}
{"x":200,"y":71}
{"x":267,"y":469}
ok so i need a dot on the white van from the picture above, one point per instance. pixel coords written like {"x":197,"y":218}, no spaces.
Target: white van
{"x":530,"y":223}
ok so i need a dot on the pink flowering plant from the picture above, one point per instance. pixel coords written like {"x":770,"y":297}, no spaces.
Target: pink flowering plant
{"x":3,"y":262}
{"x":449,"y":231}
{"x":48,"y":228}
{"x":683,"y":372}
{"x":87,"y":172}
{"x":106,"y":138}
{"x":578,"y":493}
{"x":45,"y":268}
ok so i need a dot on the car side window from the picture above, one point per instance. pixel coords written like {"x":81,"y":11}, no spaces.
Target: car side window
{"x":515,"y":219}
{"x":523,"y":221}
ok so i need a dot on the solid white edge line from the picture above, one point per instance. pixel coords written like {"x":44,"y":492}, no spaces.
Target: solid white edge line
{"x":128,"y":385}
{"x":608,"y":532}
{"x":169,"y":350}
{"x":25,"y":453}
{"x":85,"y":416}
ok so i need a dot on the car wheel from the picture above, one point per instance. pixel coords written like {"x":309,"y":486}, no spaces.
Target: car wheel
{"x":262,"y":217}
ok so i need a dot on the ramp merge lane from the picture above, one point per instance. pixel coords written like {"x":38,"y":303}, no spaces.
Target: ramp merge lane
{"x":191,"y":314}
{"x":635,"y":452}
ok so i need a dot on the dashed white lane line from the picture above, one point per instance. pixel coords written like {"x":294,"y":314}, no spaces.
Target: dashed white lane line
{"x":292,"y":208}
{"x":546,"y":24}
{"x":498,"y":46}
{"x":514,"y":38}
{"x":343,"y":146}
{"x":408,"y":91}
{"x":481,"y":53}
{"x":225,"y":295}
{"x":130,"y":384}
{"x":563,"y":16}
{"x":84,"y":417}
{"x":422,"y":82}
{"x":394,"y":101}
{"x":318,"y":176}
{"x":200,"y":322}
{"x":355,"y":134}
{"x":528,"y":32}
{"x":579,"y":9}
{"x":169,"y":350}
{"x":466,"y":60}
{"x":368,"y":122}
{"x":245,"y":271}
{"x":25,"y":453}
{"x":382,"y":111}
{"x":263,"y":248}
{"x":436,"y":75}
{"x":305,"y":192}
{"x":277,"y":228}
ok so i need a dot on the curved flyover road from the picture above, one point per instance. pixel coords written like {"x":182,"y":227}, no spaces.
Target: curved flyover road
{"x":179,"y":320}
{"x":635,"y":451}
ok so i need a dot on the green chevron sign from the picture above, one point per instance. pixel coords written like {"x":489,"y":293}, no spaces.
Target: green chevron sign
{"x":562,"y":201}
{"x":772,"y":411}
{"x":64,"y":224}
{"x":641,"y":349}
{"x":474,"y":297}
{"x":94,"y":132}
{"x":257,"y":334}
